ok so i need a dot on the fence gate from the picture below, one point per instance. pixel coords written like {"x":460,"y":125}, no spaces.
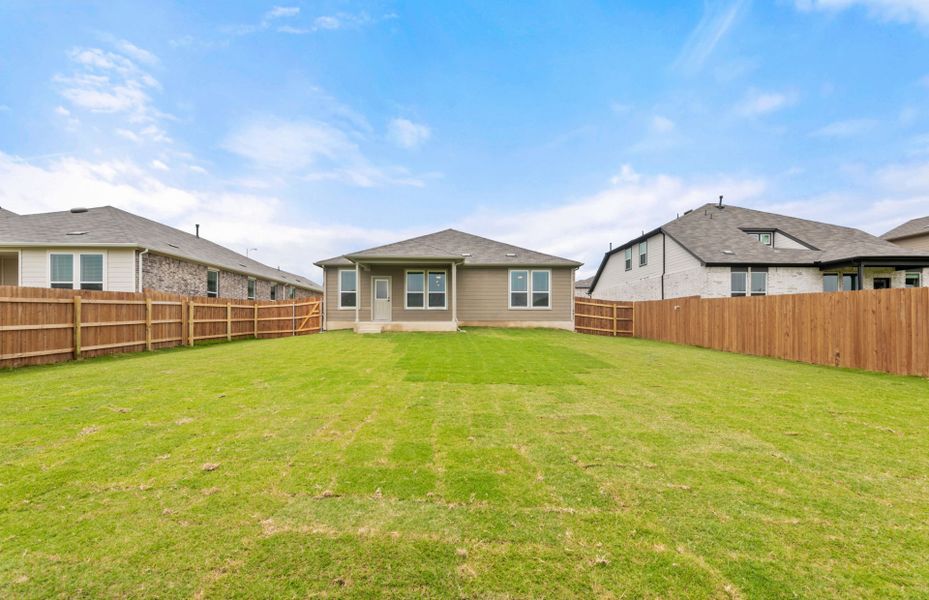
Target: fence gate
{"x":604,"y":317}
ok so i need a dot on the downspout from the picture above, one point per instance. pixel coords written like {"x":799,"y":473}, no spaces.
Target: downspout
{"x":664,"y":260}
{"x":141,"y":254}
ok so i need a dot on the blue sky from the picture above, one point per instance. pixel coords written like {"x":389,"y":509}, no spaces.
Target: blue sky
{"x":308,"y":129}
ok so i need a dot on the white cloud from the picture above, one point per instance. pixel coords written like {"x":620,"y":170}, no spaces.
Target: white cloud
{"x":282,"y":12}
{"x":407,"y":134}
{"x":198,"y":170}
{"x":758,"y":103}
{"x":634,"y":204}
{"x":848,"y":128}
{"x":327,"y":22}
{"x":662,"y":124}
{"x":314,"y":150}
{"x":159,"y":166}
{"x":236,"y":220}
{"x":110,"y":83}
{"x":899,"y":11}
{"x":341,"y":20}
{"x":718,"y":18}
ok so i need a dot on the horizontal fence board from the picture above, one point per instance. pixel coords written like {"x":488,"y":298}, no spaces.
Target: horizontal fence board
{"x":40,"y":325}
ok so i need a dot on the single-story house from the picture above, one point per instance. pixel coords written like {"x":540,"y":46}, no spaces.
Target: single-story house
{"x":717,"y":251}
{"x":110,"y":249}
{"x":912,"y":235}
{"x":444,"y":280}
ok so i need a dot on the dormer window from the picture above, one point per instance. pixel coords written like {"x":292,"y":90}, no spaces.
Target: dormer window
{"x":764,"y":237}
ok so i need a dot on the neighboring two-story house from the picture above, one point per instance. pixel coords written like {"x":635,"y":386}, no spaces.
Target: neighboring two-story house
{"x":110,"y":249}
{"x":718,"y":251}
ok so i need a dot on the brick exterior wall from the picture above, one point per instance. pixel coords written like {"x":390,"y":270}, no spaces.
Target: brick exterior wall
{"x":174,"y":276}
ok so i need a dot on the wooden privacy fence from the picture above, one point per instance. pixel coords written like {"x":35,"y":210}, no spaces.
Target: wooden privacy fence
{"x":604,"y":317}
{"x":877,"y":330}
{"x":40,"y":325}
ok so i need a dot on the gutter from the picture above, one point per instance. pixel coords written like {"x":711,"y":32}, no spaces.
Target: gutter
{"x":141,"y":254}
{"x":664,"y":261}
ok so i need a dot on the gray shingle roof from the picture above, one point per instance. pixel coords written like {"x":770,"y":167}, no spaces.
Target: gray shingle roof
{"x":6,"y":213}
{"x":913,"y":227}
{"x":451,"y":244}
{"x":583,"y":284}
{"x":709,"y":231}
{"x":111,"y":226}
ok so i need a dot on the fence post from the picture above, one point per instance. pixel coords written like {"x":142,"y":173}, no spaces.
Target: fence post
{"x":77,"y":327}
{"x":633,"y":318}
{"x":228,"y":321}
{"x":190,"y":324}
{"x":614,"y":320}
{"x":148,"y":324}
{"x":256,"y":318}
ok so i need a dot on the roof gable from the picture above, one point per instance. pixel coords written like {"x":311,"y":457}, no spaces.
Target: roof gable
{"x":911,"y":228}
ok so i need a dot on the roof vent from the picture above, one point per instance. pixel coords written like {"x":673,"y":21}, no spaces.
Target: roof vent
{"x":466,"y":254}
{"x":77,"y":233}
{"x":174,"y":245}
{"x":511,"y":254}
{"x":78,"y":209}
{"x":728,"y":252}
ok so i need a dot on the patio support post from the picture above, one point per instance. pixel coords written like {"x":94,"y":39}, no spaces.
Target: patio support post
{"x":357,"y":293}
{"x":455,"y":293}
{"x":861,"y":276}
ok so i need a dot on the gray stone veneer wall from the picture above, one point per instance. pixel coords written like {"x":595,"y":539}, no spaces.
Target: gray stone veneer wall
{"x":174,"y":276}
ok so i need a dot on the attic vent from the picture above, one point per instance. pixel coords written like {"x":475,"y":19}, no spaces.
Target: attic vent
{"x":174,"y":246}
{"x":728,"y":252}
{"x":511,"y":254}
{"x":241,"y":265}
{"x":77,"y":233}
{"x":466,"y":254}
{"x":78,"y":209}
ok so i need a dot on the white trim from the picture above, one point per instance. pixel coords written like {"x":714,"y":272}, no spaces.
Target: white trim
{"x":339,"y":288}
{"x":75,"y":268}
{"x":390,"y":287}
{"x":529,"y":290}
{"x":255,"y":294}
{"x":426,"y":272}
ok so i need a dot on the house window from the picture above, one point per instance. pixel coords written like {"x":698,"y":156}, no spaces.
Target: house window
{"x":274,"y":291}
{"x":415,"y":289}
{"x":764,"y":237}
{"x":212,"y":283}
{"x":628,"y":256}
{"x":348,"y":289}
{"x":749,"y":281}
{"x":643,"y":253}
{"x":525,"y":284}
{"x":251,"y":288}
{"x":437,"y":293}
{"x":61,"y":271}
{"x":89,"y":273}
{"x":830,"y":282}
{"x":426,"y":289}
{"x":850,"y":281}
{"x":291,"y":292}
{"x":914,"y":279}
{"x":882,"y":283}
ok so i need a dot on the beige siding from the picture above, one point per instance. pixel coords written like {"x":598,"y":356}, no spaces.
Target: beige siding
{"x":9,"y":269}
{"x":119,"y":272}
{"x":782,"y":241}
{"x":483,"y":296}
{"x":918,"y":244}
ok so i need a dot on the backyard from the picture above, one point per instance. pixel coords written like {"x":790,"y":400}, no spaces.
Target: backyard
{"x":491,"y":463}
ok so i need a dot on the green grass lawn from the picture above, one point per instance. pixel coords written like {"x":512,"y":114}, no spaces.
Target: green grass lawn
{"x":492,"y":463}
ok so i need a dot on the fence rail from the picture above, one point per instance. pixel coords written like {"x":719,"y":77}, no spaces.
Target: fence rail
{"x":40,"y":325}
{"x":876,"y":330}
{"x":604,"y":317}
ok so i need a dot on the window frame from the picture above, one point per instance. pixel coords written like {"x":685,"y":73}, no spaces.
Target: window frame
{"x":838,"y":282}
{"x":627,"y":256}
{"x":748,"y":273}
{"x":910,"y":275}
{"x":643,"y":256}
{"x":251,"y":289}
{"x":76,"y":279}
{"x":757,"y":233}
{"x":341,"y":291}
{"x":425,"y":291}
{"x":216,"y":293}
{"x":530,"y":289}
